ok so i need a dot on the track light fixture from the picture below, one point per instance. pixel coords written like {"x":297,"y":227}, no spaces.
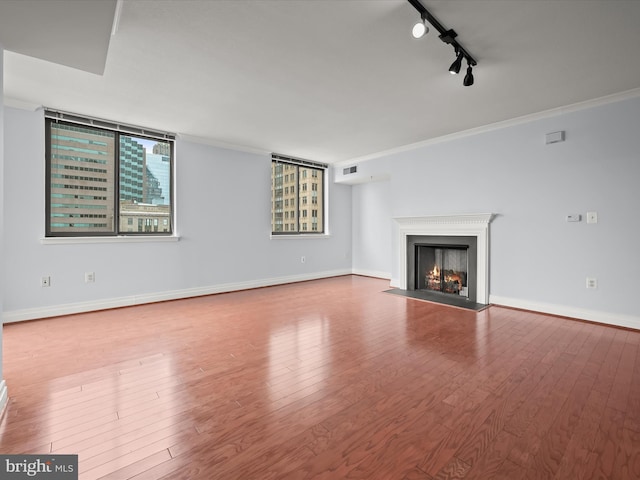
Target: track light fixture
{"x":468,"y":78}
{"x":447,"y":36}
{"x":454,"y":69}
{"x":420,"y":29}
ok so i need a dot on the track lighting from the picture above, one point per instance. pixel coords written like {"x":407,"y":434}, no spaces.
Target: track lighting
{"x":420,"y":29}
{"x":454,"y":69}
{"x":468,"y":78}
{"x":447,"y":36}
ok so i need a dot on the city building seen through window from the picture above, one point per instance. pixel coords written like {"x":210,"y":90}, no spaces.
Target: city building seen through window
{"x":103,"y":181}
{"x":297,"y":196}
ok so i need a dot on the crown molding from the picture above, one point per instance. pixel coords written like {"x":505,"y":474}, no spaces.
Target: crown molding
{"x":21,"y":104}
{"x":575,"y":107}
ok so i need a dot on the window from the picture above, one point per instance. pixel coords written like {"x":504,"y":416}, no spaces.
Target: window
{"x":102,"y":179}
{"x":297,"y":171}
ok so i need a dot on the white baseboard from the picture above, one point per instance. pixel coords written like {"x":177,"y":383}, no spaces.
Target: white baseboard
{"x":617,"y":319}
{"x":82,"y":307}
{"x":621,"y":320}
{"x":371,"y":273}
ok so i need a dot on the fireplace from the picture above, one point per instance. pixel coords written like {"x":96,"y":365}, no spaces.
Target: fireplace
{"x":442,"y":269}
{"x":442,"y":264}
{"x":443,"y":241}
{"x":449,"y":272}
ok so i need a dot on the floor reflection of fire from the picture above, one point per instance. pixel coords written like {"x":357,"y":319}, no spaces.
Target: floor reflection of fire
{"x":447,"y":281}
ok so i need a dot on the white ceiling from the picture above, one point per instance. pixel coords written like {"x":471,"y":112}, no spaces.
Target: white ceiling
{"x":327,"y":80}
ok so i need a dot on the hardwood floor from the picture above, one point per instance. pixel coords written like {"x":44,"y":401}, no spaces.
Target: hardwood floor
{"x":327,"y":379}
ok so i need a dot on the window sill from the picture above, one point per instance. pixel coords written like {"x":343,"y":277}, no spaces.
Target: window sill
{"x":299,"y":236}
{"x":118,"y":239}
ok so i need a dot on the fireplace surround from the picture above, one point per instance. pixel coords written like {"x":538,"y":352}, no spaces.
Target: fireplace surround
{"x":458,"y":230}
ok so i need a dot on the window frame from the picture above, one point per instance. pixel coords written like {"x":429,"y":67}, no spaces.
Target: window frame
{"x":299,"y":204}
{"x":53,"y":117}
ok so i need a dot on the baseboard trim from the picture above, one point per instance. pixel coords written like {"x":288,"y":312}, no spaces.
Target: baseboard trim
{"x":620,"y":320}
{"x":371,"y":273}
{"x":83,"y":307}
{"x":617,"y":319}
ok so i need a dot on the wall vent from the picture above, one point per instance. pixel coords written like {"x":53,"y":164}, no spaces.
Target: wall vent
{"x":349,"y":170}
{"x":555,"y":137}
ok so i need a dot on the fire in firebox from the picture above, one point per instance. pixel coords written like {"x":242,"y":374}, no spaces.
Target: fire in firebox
{"x":447,"y":281}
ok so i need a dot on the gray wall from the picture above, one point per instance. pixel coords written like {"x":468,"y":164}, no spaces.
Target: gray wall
{"x":371,"y":206}
{"x":537,"y":260}
{"x":223,"y":219}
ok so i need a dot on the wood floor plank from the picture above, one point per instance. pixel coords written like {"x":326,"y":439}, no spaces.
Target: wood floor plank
{"x":490,"y":462}
{"x":577,"y":453}
{"x":532,"y":440}
{"x":140,"y":466}
{"x":552,"y":446}
{"x":511,"y":471}
{"x":455,"y":469}
{"x":328,"y":379}
{"x":415,"y":473}
{"x":619,"y":394}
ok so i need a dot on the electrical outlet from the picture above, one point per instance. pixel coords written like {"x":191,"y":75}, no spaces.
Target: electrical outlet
{"x":303,"y":259}
{"x":89,"y":277}
{"x":592,"y":282}
{"x":592,"y":217}
{"x":45,"y":281}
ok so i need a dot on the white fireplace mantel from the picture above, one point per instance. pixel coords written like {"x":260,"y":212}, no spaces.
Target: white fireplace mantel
{"x":470,"y":225}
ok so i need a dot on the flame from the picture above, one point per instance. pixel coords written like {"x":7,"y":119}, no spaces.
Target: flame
{"x":435,"y":272}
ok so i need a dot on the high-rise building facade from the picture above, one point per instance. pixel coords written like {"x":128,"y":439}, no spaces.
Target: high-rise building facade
{"x":81,"y":179}
{"x":311,"y":200}
{"x":297,"y":199}
{"x":159,"y":169}
{"x":162,"y":148}
{"x":145,"y":202}
{"x":132,"y":171}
